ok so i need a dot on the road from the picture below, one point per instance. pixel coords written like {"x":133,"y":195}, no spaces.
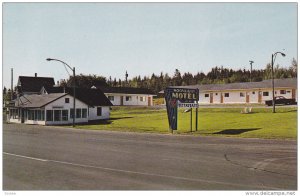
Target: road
{"x":57,"y":158}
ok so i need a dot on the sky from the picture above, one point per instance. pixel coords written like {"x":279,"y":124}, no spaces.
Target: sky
{"x":109,"y":39}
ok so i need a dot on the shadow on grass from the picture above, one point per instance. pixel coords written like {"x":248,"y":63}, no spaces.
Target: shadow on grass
{"x":235,"y":131}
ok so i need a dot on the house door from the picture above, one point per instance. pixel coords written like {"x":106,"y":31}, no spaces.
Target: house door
{"x":211,"y":96}
{"x":247,"y":97}
{"x":149,"y":101}
{"x":121,"y":100}
{"x":22,"y":115}
{"x":221,"y":97}
{"x":259,"y":96}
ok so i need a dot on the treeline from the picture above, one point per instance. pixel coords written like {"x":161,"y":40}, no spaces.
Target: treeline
{"x":217,"y":75}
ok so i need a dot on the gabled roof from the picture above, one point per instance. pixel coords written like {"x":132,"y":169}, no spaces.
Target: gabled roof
{"x":278,"y":83}
{"x":126,"y":90}
{"x":37,"y":101}
{"x":92,"y":97}
{"x":34,"y":84}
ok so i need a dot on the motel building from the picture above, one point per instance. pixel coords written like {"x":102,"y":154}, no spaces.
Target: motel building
{"x":247,"y":92}
{"x":128,"y":96}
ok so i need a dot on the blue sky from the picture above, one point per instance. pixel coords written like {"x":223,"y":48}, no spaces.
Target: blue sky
{"x":144,"y":38}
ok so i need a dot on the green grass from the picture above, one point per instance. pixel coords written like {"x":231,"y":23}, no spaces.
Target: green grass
{"x":229,"y":122}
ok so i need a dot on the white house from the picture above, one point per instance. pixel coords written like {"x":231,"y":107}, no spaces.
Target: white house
{"x":247,"y":92}
{"x":128,"y":96}
{"x":57,"y":108}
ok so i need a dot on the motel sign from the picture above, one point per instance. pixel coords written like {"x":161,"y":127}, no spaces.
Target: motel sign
{"x":179,"y":97}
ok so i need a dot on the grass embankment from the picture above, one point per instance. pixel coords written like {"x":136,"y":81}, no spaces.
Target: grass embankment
{"x":261,"y":123}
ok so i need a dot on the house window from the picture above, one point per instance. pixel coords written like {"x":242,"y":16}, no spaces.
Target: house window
{"x":64,"y":115}
{"x":57,"y":115}
{"x":31,"y":115}
{"x":226,"y":94}
{"x":78,"y":113}
{"x":265,"y":94}
{"x":111,"y":98}
{"x":42,"y":115}
{"x":49,"y":115}
{"x":67,"y":100}
{"x":242,"y":94}
{"x":99,"y":111}
{"x":206,"y":95}
{"x":282,"y":92}
{"x":71,"y":113}
{"x":84,"y":113}
{"x":128,"y":98}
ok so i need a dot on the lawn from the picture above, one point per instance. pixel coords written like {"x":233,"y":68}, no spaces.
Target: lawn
{"x":230,"y":122}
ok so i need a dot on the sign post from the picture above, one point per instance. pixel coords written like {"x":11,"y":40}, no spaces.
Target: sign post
{"x":180,"y":97}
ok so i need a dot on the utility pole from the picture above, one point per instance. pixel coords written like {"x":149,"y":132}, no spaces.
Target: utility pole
{"x":251,"y":70}
{"x":12,"y":85}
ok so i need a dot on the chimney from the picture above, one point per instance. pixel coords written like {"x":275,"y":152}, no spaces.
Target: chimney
{"x":35,"y":74}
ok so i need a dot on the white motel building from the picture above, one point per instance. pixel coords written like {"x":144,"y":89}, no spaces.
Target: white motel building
{"x":247,"y":92}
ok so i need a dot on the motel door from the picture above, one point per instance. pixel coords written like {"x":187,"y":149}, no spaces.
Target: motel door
{"x":121,"y":100}
{"x":211,"y":96}
{"x":259,"y":96}
{"x":293,"y":94}
{"x":247,"y":97}
{"x":221,"y":97}
{"x":149,"y":101}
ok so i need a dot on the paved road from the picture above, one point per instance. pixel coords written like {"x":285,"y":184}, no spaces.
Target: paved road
{"x":55,"y":158}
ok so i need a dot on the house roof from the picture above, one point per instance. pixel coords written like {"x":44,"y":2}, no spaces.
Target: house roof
{"x":34,"y":84}
{"x":126,"y":90}
{"x":37,"y":101}
{"x":92,"y":97}
{"x":278,"y":83}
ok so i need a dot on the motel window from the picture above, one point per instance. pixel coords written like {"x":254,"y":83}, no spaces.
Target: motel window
{"x":84,"y":113}
{"x":111,"y":98}
{"x":265,"y":94}
{"x":206,"y":95}
{"x":78,"y":113}
{"x":128,"y":98}
{"x":67,"y":100}
{"x":64,"y":115}
{"x":226,"y":95}
{"x":49,"y":115}
{"x":282,"y":92}
{"x":142,"y":98}
{"x":99,"y":111}
{"x":242,"y":94}
{"x":57,"y":115}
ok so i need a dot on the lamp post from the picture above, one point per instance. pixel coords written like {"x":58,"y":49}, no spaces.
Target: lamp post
{"x":73,"y":69}
{"x":273,"y":87}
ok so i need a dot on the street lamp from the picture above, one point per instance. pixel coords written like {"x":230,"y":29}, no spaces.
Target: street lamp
{"x":273,"y":88}
{"x":73,"y":69}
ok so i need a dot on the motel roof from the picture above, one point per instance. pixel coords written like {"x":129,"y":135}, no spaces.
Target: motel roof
{"x":126,"y":90}
{"x":265,"y":84}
